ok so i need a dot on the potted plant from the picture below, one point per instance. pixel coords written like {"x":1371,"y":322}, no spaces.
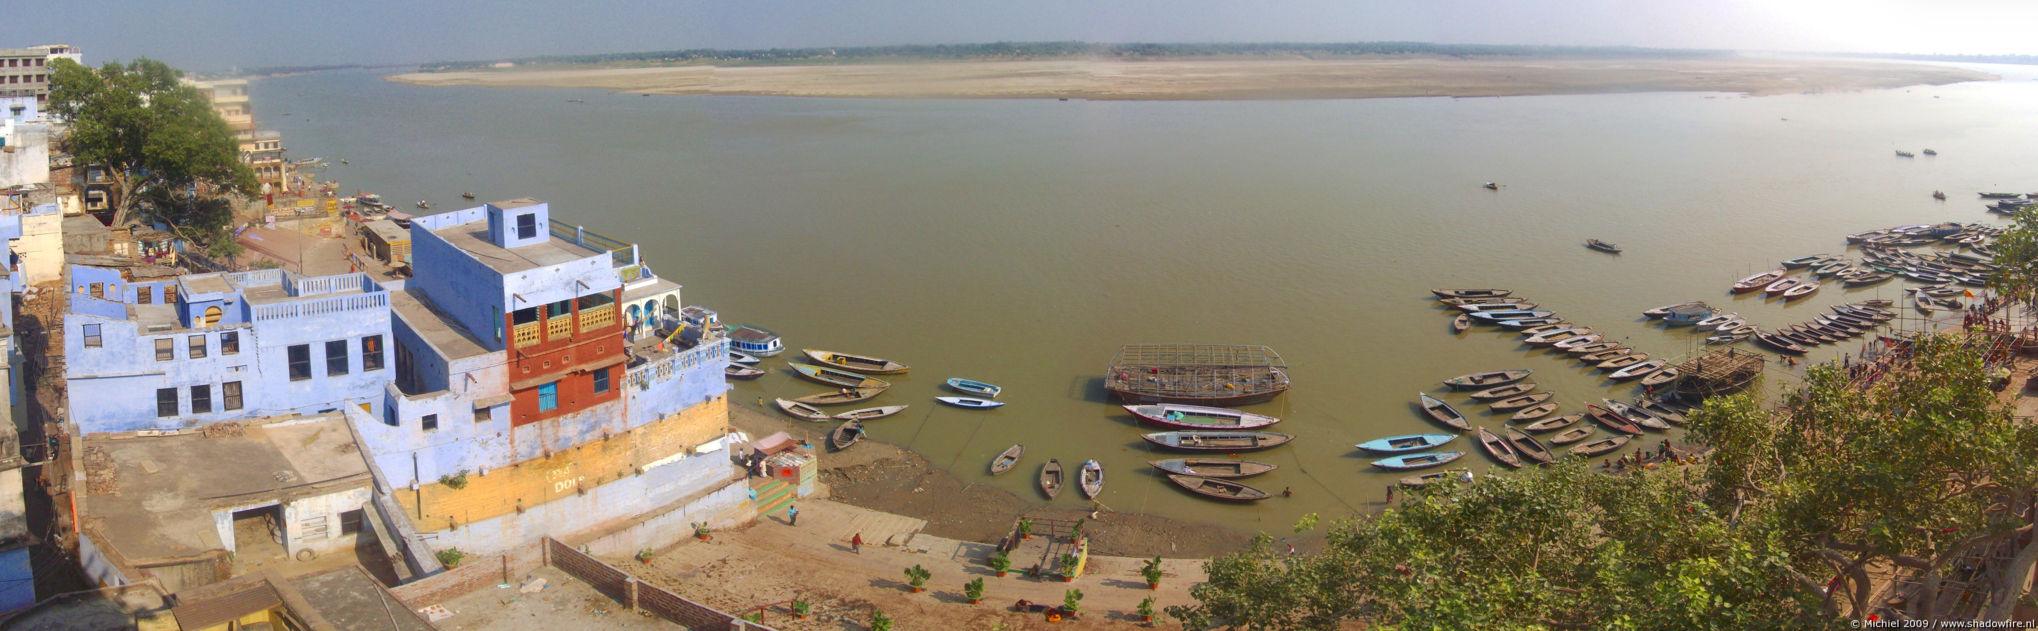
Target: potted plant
{"x":1152,"y":572}
{"x":1025,"y":528}
{"x":1076,"y":531}
{"x":879,"y":622}
{"x":1072,"y":602}
{"x":1000,"y":563}
{"x":700,"y":531}
{"x":974,"y":590}
{"x":450,"y":557}
{"x":1068,"y":568}
{"x":916,"y":577}
{"x":644,"y":555}
{"x":754,"y":616}
{"x":801,"y":608}
{"x":1146,"y":610}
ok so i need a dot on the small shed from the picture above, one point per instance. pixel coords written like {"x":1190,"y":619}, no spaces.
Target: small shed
{"x":386,"y":241}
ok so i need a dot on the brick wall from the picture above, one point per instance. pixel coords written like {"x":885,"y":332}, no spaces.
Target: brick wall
{"x":604,"y":577}
{"x":687,"y":613}
{"x":474,"y":573}
{"x":618,"y":584}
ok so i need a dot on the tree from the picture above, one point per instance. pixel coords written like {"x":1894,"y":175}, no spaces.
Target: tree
{"x":150,"y":131}
{"x":2017,"y":259}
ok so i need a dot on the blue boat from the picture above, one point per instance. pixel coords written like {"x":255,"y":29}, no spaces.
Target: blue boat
{"x":979,"y":388}
{"x":1527,"y":322}
{"x":968,"y":402}
{"x":1418,"y":461}
{"x":1512,"y":314}
{"x":1403,"y":444}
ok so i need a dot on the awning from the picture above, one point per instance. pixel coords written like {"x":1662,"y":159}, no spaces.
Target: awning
{"x":775,"y":443}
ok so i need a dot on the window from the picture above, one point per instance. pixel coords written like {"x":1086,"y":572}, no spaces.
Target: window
{"x":201,"y":399}
{"x":548,"y":397}
{"x":212,"y":315}
{"x":91,"y":336}
{"x":336,"y":357}
{"x":350,"y":521}
{"x":166,"y":350}
{"x":231,"y":393}
{"x":98,"y":290}
{"x":144,"y":295}
{"x":169,"y":294}
{"x":497,"y":312}
{"x":195,"y":346}
{"x":525,"y":315}
{"x":230,"y":343}
{"x":563,"y":307}
{"x":601,"y":380}
{"x":430,"y":422}
{"x":300,"y":362}
{"x":527,"y":226}
{"x":166,"y":402}
{"x":483,"y":414}
{"x":371,"y":353}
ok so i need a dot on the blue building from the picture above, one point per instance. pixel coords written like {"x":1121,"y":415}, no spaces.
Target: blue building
{"x":210,"y":347}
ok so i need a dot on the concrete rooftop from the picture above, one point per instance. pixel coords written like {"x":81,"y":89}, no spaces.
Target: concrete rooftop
{"x":438,"y":329}
{"x":472,"y":238}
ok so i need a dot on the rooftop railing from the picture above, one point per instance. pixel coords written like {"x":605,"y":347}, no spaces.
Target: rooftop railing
{"x":322,"y":306}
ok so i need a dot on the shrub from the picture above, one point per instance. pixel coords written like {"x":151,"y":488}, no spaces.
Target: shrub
{"x":450,"y":557}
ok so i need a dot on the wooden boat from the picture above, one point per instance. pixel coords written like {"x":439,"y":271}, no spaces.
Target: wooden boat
{"x":1715,"y":321}
{"x":1588,"y":349}
{"x":1832,"y":269}
{"x":1553,"y":336}
{"x":1528,"y":447}
{"x":1600,"y":356}
{"x":1418,"y":461}
{"x":2001,"y":195}
{"x":1196,"y":374}
{"x":1635,"y":415}
{"x":1930,"y":152}
{"x":1530,"y":322}
{"x":1470,"y":293}
{"x":1905,"y":154}
{"x":1501,"y":392}
{"x":1531,"y":330}
{"x":1050,"y":478}
{"x":1553,"y":423}
{"x":1612,"y":421}
{"x":1461,"y":323}
{"x":1599,"y":447}
{"x":1091,"y":479}
{"x":1867,"y":278}
{"x":803,"y":411}
{"x":1602,"y":246}
{"x":845,"y":435}
{"x":1218,"y":441}
{"x":1687,"y":315}
{"x":1639,"y":370}
{"x":1521,"y":401}
{"x":1781,"y":285}
{"x":1404,"y":444}
{"x":1534,"y":412}
{"x":1803,"y":289}
{"x":1623,"y":361}
{"x":1497,"y":306}
{"x":1661,"y":377}
{"x":1499,"y":448}
{"x":755,"y":340}
{"x":1662,"y":410}
{"x":845,"y":395}
{"x":1487,"y":379}
{"x":739,"y":371}
{"x":1510,"y":314}
{"x":1482,"y":300}
{"x":1572,"y":435}
{"x":1781,"y":344}
{"x":1419,"y":481}
{"x":1808,"y":261}
{"x":1757,"y":281}
{"x":870,"y":413}
{"x":978,"y":388}
{"x":969,"y":402}
{"x":1443,"y":412}
{"x":1007,"y":459}
{"x":1664,"y":310}
{"x":1219,"y":489}
{"x":1213,"y":467}
{"x":857,"y":363}
{"x":837,"y":378}
{"x":467,"y":195}
{"x":1569,"y":343}
{"x":1198,"y":417}
{"x":736,"y":357}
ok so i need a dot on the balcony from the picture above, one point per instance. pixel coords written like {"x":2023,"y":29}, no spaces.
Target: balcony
{"x":597,"y":318}
{"x":526,"y":334}
{"x":559,"y":327}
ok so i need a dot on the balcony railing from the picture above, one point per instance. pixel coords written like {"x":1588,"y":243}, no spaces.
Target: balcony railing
{"x":597,"y":318}
{"x":321,"y":306}
{"x":526,"y":334}
{"x":559,"y":327}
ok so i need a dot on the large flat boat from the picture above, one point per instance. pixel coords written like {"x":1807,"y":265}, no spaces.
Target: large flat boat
{"x":1196,"y":374}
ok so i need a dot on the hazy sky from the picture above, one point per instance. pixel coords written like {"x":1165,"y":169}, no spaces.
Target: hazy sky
{"x":216,"y":34}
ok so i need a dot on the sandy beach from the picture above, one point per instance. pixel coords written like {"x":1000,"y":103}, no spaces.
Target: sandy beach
{"x":1202,"y":79}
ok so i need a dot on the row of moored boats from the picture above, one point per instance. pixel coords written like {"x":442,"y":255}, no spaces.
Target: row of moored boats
{"x":1544,"y":328}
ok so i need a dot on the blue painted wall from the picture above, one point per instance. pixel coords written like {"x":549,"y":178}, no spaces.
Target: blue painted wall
{"x":17,"y":579}
{"x":467,"y":290}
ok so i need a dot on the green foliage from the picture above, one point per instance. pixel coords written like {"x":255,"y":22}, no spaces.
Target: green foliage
{"x":1151,"y":571}
{"x":1068,"y":565}
{"x":700,"y":528}
{"x":1072,"y":601}
{"x":1076,"y":531}
{"x":974,"y":589}
{"x":801,"y":608}
{"x":456,"y":480}
{"x":1306,"y":523}
{"x":2017,"y":258}
{"x":151,"y":131}
{"x":879,"y":621}
{"x":1145,"y":608}
{"x":1025,"y":527}
{"x":264,"y":264}
{"x":917,"y":576}
{"x":1000,"y":561}
{"x":450,"y":557}
{"x":754,"y":616}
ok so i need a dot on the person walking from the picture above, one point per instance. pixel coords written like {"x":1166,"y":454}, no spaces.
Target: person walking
{"x":856,"y":543}
{"x":1390,"y":493}
{"x":792,"y":515}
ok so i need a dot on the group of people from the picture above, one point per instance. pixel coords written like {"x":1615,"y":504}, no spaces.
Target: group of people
{"x":1647,"y":459}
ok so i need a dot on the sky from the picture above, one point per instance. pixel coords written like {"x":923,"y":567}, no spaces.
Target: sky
{"x":216,"y":35}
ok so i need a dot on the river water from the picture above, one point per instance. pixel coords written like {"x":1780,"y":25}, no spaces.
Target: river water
{"x":1021,"y":242}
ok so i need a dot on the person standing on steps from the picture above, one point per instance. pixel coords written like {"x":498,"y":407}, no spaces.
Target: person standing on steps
{"x":792,"y":515}
{"x":856,"y":543}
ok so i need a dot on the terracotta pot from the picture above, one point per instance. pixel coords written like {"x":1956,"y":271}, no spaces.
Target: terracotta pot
{"x":1068,"y":579}
{"x":1153,"y":585}
{"x":975,"y":600}
{"x":1146,"y":618}
{"x":1001,"y":574}
{"x":917,"y":590}
{"x":702,"y":537}
{"x":800,"y":616}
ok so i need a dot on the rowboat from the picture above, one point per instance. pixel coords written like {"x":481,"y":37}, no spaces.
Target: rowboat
{"x":1496,"y":306}
{"x":1868,"y":278}
{"x":1470,"y":293}
{"x":1443,"y":412}
{"x":968,"y":386}
{"x":1832,"y":269}
{"x":1528,"y":447}
{"x":1807,"y":261}
{"x":1534,"y":412}
{"x":1572,"y":435}
{"x":1213,"y":467}
{"x":1553,"y":423}
{"x":1408,"y":443}
{"x":1602,"y":246}
{"x":1511,"y":314}
{"x":969,"y":402}
{"x":1418,"y":481}
{"x":1091,"y":479}
{"x":739,"y":371}
{"x":1662,"y":411}
{"x":1538,"y":328}
{"x":838,"y":378}
{"x":743,"y":358}
{"x":1569,"y":343}
{"x":1780,"y":344}
{"x":839,"y":397}
{"x":1600,"y":356}
{"x":1635,"y":415}
{"x":858,"y":363}
{"x":1198,"y":417}
{"x":1640,"y":369}
{"x":1487,"y":379}
{"x":1714,"y":321}
{"x":803,"y":411}
{"x":1781,"y":285}
{"x":1529,"y":322}
{"x":1612,"y":421}
{"x":1804,"y":289}
{"x":1661,"y":377}
{"x":1757,"y":281}
{"x":1598,"y":447}
{"x":1481,"y":300}
{"x":1556,"y":335}
{"x":1219,"y":489}
{"x":866,"y":414}
{"x":1218,"y":441}
{"x":845,"y":435}
{"x":1050,"y":478}
{"x":1499,"y":448}
{"x":1664,"y":310}
{"x":1501,"y":392}
{"x":1623,"y":361}
{"x":1007,"y":459}
{"x":1461,"y":323}
{"x":1521,"y":401}
{"x":1418,"y":461}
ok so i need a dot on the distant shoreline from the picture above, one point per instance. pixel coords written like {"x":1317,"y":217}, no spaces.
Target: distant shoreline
{"x":1232,"y":79}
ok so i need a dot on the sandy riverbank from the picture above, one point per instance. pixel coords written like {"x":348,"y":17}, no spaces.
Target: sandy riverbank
{"x":1233,"y":79}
